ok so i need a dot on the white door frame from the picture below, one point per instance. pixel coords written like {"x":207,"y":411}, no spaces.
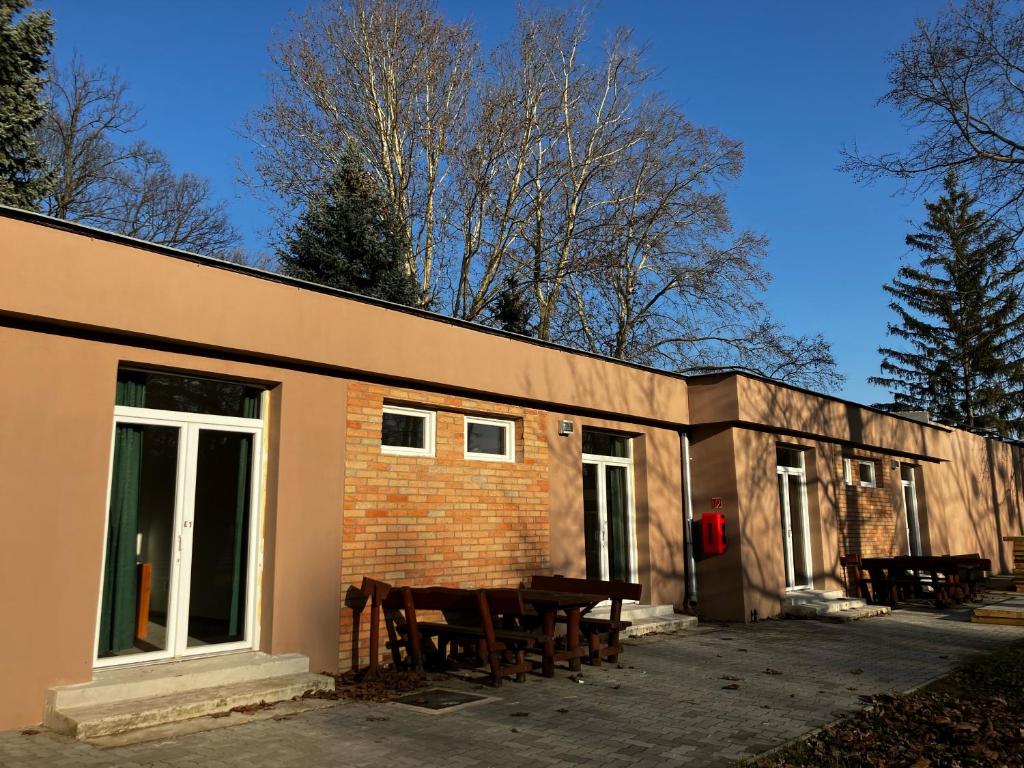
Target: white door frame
{"x":602,"y":504}
{"x":787,"y":518}
{"x":189,"y":425}
{"x":913,"y":520}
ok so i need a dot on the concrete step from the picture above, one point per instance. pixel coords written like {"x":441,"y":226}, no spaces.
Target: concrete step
{"x":636,"y":613}
{"x":808,"y":611}
{"x":152,"y":680}
{"x":831,"y":601}
{"x":114,"y":717}
{"x":661,"y":623}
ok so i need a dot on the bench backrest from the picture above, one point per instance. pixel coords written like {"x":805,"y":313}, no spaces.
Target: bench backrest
{"x":445,"y":599}
{"x":614,"y":590}
{"x":507,"y":602}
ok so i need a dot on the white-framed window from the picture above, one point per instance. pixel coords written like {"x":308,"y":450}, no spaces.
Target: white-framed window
{"x":859,"y":472}
{"x":490,"y":439}
{"x":407,"y":431}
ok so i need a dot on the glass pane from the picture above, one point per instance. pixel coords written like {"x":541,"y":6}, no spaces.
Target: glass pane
{"x":789,"y":457}
{"x":617,"y":495}
{"x":403,"y":430}
{"x":140,"y":541}
{"x":784,"y":522}
{"x":598,"y":443}
{"x":798,"y":524}
{"x":592,"y":521}
{"x":907,"y":472}
{"x":913,"y":524}
{"x":485,"y":438}
{"x":168,"y":392}
{"x":866,"y":470}
{"x":220,"y":536}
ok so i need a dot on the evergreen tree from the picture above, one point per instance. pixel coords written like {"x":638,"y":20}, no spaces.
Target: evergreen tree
{"x":24,"y":46}
{"x":352,"y":239}
{"x":512,"y":308}
{"x":960,"y":315}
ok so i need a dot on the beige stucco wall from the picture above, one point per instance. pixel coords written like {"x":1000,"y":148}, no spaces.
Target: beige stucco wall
{"x":73,"y":279}
{"x":974,"y":499}
{"x":749,"y":401}
{"x":56,"y":408}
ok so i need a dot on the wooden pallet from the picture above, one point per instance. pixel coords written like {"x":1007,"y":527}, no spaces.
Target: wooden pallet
{"x":1009,"y":612}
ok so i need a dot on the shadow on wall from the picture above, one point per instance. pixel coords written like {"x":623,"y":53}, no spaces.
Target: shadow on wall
{"x":658,"y":500}
{"x":976,"y":498}
{"x":761,"y":532}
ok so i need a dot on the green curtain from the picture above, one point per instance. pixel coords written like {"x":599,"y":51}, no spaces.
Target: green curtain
{"x":117,"y":614}
{"x":118,"y":606}
{"x":236,"y":621}
{"x":131,"y":389}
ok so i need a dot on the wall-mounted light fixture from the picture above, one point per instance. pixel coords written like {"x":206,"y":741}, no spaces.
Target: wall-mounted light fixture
{"x":565,"y":427}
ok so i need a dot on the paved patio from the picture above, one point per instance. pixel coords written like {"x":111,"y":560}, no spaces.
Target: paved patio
{"x":667,"y":706}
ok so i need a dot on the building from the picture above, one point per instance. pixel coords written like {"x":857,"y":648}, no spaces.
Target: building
{"x":197,"y":457}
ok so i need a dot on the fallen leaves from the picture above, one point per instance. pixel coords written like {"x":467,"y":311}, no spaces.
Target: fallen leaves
{"x":968,"y":720}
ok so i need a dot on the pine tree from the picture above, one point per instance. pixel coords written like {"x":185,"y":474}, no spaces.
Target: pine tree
{"x":24,"y":46}
{"x":352,"y":239}
{"x":960,"y":317}
{"x":512,"y":308}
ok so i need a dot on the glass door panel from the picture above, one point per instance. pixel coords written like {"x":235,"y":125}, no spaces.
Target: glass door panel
{"x":910,"y":504}
{"x":592,"y":528}
{"x":217,"y":604}
{"x":617,"y":503}
{"x":137,"y":600}
{"x":799,"y":535}
{"x":787,"y":546}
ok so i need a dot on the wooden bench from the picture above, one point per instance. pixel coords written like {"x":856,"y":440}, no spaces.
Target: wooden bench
{"x":470,"y":620}
{"x":602,"y":635}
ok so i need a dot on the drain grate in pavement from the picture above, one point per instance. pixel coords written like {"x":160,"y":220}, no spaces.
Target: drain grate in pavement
{"x":440,"y":699}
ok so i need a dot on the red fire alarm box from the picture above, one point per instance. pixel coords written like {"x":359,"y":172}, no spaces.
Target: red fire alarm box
{"x":712,"y":528}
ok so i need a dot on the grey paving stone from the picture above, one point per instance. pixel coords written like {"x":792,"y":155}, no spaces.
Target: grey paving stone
{"x":665,"y":707}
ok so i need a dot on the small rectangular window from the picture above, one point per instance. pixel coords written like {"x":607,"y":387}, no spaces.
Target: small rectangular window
{"x":866,"y":473}
{"x":597,"y":442}
{"x":859,"y":472}
{"x":490,"y":439}
{"x":163,"y":391}
{"x":793,"y":458}
{"x":407,"y":431}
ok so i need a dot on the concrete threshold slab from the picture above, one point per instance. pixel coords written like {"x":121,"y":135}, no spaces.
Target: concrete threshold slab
{"x":283,"y":710}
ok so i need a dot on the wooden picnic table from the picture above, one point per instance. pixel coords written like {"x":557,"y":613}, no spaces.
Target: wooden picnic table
{"x":548,"y":604}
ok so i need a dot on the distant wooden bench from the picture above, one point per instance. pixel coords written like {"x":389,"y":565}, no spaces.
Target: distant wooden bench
{"x":602,"y":635}
{"x":470,"y":620}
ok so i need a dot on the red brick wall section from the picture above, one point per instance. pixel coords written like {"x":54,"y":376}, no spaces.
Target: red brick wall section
{"x":444,"y":519}
{"x":870,"y":522}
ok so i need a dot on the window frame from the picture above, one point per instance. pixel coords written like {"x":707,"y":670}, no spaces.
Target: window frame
{"x":429,"y":431}
{"x":856,"y":482}
{"x":508,"y":457}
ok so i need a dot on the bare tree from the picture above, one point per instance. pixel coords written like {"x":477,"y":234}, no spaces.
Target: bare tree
{"x":391,"y":77}
{"x":103,"y":177}
{"x":553,"y":166}
{"x":958,"y":85}
{"x":148,"y":200}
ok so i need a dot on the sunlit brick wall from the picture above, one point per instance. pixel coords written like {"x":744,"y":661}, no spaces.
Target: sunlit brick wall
{"x":871,"y":523}
{"x":416,"y":520}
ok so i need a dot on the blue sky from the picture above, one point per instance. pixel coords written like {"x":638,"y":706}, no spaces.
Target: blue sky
{"x":794,"y":81}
